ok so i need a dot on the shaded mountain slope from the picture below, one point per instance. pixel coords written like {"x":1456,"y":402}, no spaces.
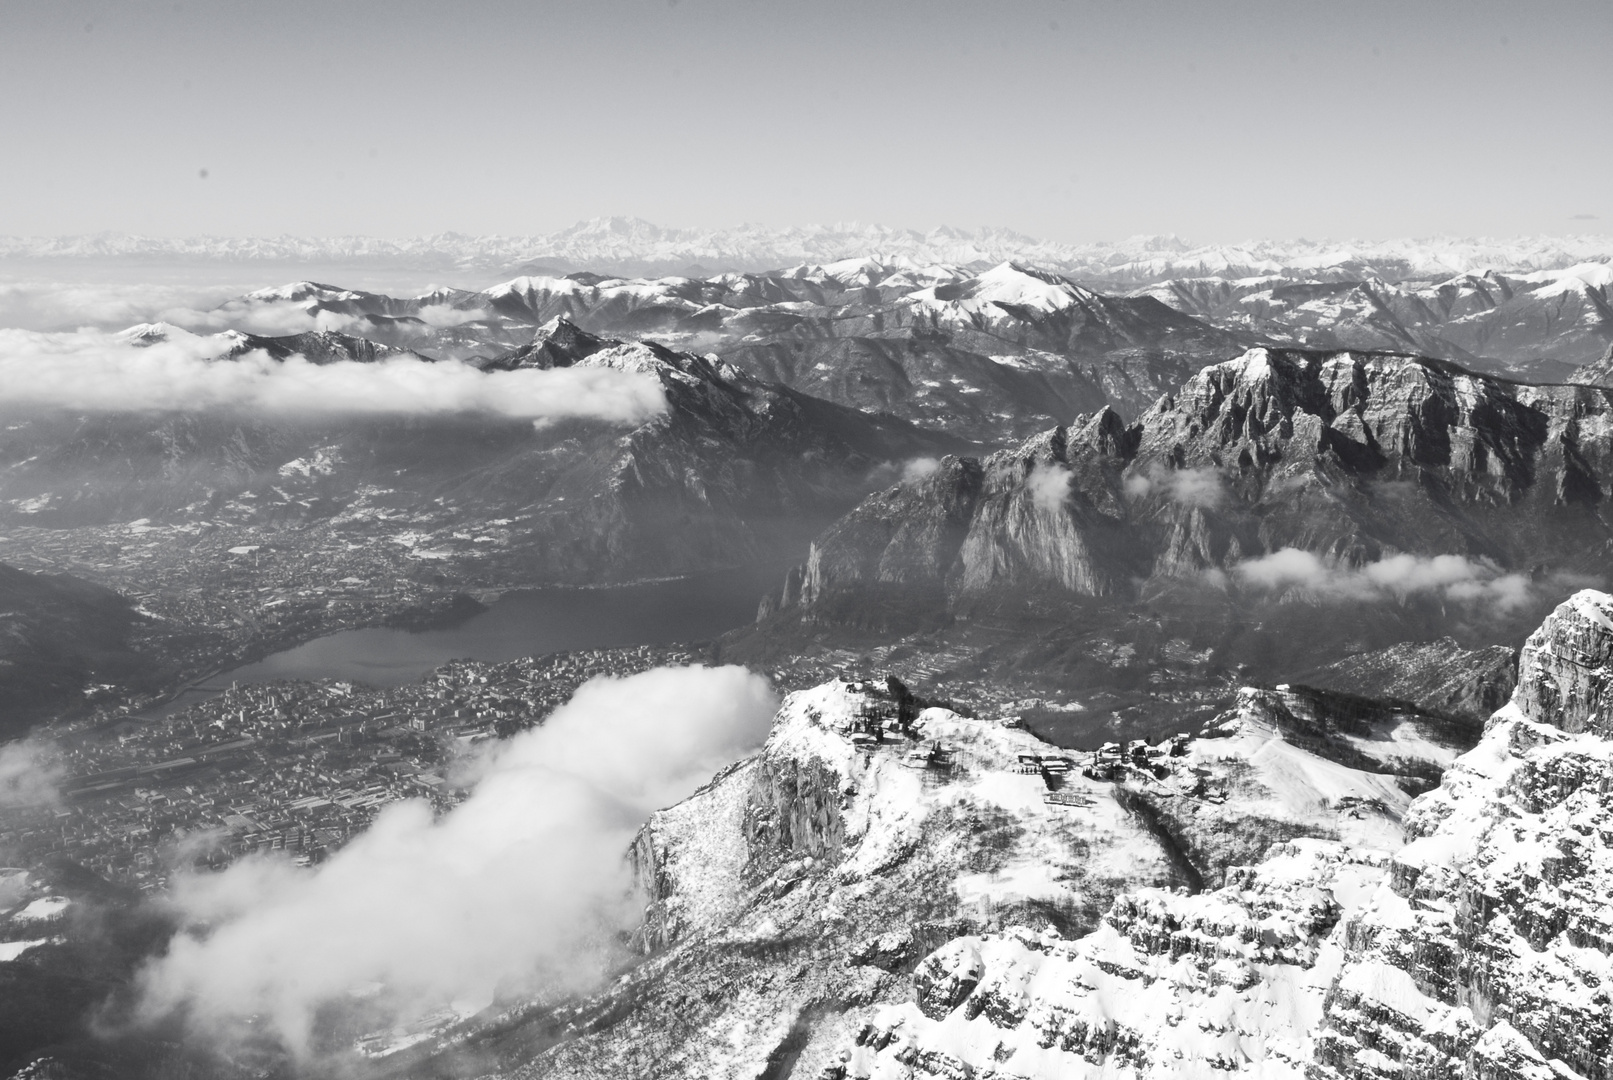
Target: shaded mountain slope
{"x":59,"y":637}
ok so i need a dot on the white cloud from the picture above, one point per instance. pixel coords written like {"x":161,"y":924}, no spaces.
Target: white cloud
{"x":265,"y":319}
{"x":1049,"y":485}
{"x":59,"y":306}
{"x":920,"y":467}
{"x":97,"y":372}
{"x":441,"y":316}
{"x":52,"y":307}
{"x":1190,"y":487}
{"x":30,"y":770}
{"x":1453,"y":577}
{"x":521,"y":889}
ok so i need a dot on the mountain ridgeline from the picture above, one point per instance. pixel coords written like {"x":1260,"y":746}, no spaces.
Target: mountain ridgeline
{"x":1352,"y":456}
{"x":733,"y":472}
{"x":1268,"y":489}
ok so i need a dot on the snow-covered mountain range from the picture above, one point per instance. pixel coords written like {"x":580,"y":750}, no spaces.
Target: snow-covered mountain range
{"x":992,"y":354}
{"x":633,"y":246}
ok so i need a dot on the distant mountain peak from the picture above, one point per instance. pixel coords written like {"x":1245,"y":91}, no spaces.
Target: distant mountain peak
{"x":633,"y":246}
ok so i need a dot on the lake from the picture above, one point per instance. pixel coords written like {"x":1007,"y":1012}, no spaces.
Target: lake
{"x":529,"y":622}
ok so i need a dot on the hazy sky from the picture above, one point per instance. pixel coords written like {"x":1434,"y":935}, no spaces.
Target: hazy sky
{"x":1061,"y":118}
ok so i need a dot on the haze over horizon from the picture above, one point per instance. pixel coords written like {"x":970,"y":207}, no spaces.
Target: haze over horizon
{"x":1072,"y":121}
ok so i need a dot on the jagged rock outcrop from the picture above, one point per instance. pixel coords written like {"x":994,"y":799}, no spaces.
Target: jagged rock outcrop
{"x":1566,"y":667}
{"x":794,"y":809}
{"x":1598,"y":372}
{"x":1489,"y":950}
{"x":1169,"y":985}
{"x":1483,"y":948}
{"x":810,"y":880}
{"x":557,"y":343}
{"x":1354,"y":458}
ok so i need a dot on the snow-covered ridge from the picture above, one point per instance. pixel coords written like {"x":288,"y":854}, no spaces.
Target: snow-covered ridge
{"x":828,"y":867}
{"x":1488,"y":951}
{"x":1481,"y":949}
{"x":635,"y":246}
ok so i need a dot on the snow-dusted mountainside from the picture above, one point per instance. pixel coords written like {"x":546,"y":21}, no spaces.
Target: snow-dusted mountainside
{"x":1537,"y":325}
{"x":928,"y":905}
{"x":1438,"y":676}
{"x":794,"y":901}
{"x":992,"y":354}
{"x":632,"y":246}
{"x":1488,"y":951}
{"x":988,"y":355}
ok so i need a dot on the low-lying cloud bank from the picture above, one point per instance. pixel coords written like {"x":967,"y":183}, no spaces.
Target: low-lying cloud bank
{"x":63,"y":306}
{"x":68,"y":306}
{"x":1397,"y":577}
{"x":522,"y":888}
{"x":97,"y":372}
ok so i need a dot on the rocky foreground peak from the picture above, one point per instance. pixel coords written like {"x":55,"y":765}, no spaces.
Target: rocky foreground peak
{"x":889,"y":892}
{"x":1488,"y":952}
{"x":895,"y":888}
{"x":1566,"y":667}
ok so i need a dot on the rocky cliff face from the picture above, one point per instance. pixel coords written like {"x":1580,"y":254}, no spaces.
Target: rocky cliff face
{"x":1566,"y":666}
{"x":1049,"y":510}
{"x":1352,"y":458}
{"x":1489,"y":950}
{"x":1598,"y":372}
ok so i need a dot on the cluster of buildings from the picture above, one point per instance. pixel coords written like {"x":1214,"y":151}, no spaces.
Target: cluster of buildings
{"x":1138,"y":757}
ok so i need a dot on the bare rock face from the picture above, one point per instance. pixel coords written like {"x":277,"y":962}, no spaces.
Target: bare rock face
{"x":1596,"y":373}
{"x":1352,"y":457}
{"x":1566,"y":666}
{"x":1489,"y":952}
{"x":1051,"y":510}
